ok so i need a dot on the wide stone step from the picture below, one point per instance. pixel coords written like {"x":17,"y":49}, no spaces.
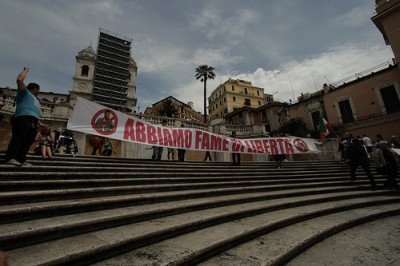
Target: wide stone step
{"x":15,"y":234}
{"x":23,"y":211}
{"x":186,"y":175}
{"x":178,"y":191}
{"x":145,"y":183}
{"x":59,"y":167}
{"x":222,"y":225}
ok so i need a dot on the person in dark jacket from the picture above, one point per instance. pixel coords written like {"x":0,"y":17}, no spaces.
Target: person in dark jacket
{"x":235,"y":156}
{"x":181,"y":152}
{"x":358,"y":156}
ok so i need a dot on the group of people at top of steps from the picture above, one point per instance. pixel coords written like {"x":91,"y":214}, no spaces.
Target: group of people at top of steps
{"x":359,"y":151}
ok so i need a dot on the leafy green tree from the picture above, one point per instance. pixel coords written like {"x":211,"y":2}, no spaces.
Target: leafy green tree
{"x":168,"y":109}
{"x":205,"y":72}
{"x":295,"y":127}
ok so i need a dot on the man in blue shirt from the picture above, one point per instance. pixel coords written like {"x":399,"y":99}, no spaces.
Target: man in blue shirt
{"x":25,"y":121}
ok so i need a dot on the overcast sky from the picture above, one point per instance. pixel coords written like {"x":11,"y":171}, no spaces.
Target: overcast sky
{"x":284,"y":46}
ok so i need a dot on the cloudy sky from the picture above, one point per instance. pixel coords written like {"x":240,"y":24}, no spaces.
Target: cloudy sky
{"x":284,"y":46}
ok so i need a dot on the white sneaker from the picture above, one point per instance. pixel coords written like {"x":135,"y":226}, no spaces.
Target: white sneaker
{"x":26,"y":164}
{"x":13,"y":162}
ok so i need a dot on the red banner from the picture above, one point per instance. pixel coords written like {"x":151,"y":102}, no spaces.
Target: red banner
{"x":94,"y":119}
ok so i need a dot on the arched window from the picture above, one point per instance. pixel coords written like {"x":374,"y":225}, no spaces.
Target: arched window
{"x":85,"y":71}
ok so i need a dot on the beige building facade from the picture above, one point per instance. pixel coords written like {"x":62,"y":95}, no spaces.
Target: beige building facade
{"x":232,"y":95}
{"x":309,"y":107}
{"x":369,"y":105}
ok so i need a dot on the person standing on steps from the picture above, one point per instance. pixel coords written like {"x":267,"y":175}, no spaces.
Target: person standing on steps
{"x":24,"y":122}
{"x":235,"y":156}
{"x":159,"y":149}
{"x":208,"y":156}
{"x":385,"y":158}
{"x":358,"y":156}
{"x":181,"y":152}
{"x":279,"y":158}
{"x":171,"y":154}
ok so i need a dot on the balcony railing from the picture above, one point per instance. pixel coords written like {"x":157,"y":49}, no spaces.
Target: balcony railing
{"x":55,"y":111}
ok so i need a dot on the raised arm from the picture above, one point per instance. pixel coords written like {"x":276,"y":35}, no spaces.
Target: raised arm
{"x":21,"y":77}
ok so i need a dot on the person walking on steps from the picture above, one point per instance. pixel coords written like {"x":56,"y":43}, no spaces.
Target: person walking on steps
{"x":385,"y":158}
{"x":358,"y":156}
{"x":25,"y":121}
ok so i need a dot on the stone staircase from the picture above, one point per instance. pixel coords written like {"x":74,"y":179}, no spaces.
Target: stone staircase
{"x":117,"y":211}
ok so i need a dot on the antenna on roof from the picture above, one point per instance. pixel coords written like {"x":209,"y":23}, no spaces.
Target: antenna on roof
{"x":291,"y":86}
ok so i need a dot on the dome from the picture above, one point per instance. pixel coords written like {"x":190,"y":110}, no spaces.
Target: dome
{"x":88,"y":51}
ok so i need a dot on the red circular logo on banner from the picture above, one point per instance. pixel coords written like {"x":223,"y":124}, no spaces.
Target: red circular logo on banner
{"x":105,"y":122}
{"x":301,"y":145}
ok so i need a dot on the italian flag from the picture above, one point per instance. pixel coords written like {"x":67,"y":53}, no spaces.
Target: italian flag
{"x":324,"y":128}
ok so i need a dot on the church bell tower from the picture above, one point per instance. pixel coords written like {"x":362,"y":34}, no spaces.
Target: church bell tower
{"x":82,"y":85}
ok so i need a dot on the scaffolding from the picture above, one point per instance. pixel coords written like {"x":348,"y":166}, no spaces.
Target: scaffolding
{"x":112,"y":75}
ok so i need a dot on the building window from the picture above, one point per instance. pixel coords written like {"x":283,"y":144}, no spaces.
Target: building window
{"x":259,"y":102}
{"x":85,"y":71}
{"x":224,"y":99}
{"x":258,"y":93}
{"x":226,"y":110}
{"x":346,"y":112}
{"x":220,"y":102}
{"x":224,"y":88}
{"x":233,"y":88}
{"x":247,"y":102}
{"x":315,"y":119}
{"x":234,"y":98}
{"x":390,"y":99}
{"x":245,"y":91}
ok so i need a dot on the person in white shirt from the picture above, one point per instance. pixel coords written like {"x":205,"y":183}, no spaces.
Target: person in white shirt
{"x":368,"y":143}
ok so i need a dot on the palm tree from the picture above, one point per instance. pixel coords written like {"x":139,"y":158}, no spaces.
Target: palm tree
{"x":203,"y":73}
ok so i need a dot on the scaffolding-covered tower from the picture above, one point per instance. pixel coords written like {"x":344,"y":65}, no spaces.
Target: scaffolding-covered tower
{"x":112,"y":76}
